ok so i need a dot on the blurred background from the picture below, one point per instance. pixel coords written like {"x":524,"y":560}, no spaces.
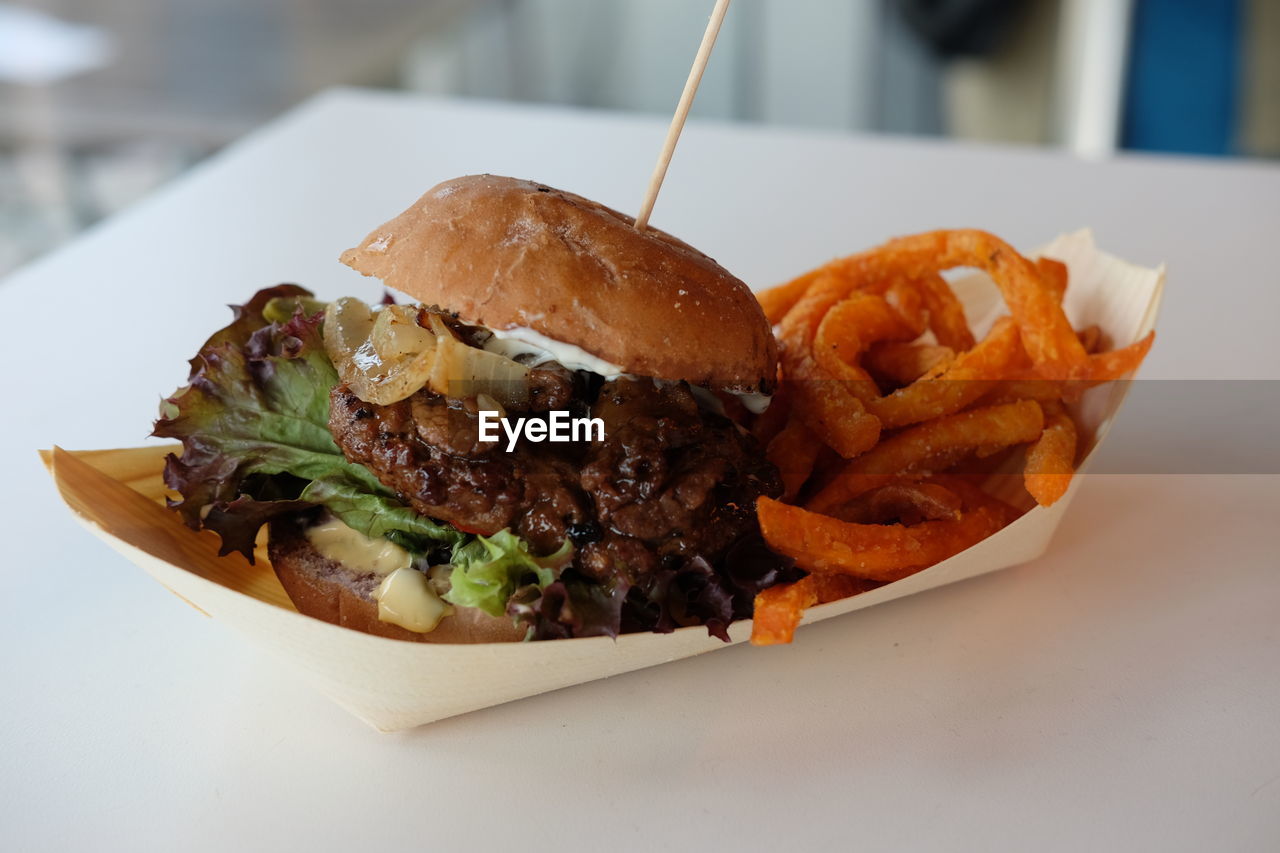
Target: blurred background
{"x":103,"y":100}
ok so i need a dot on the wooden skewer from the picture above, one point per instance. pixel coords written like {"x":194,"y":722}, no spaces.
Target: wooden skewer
{"x":682,"y":112}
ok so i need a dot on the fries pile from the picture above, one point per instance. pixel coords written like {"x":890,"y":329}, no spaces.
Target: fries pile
{"x":885,"y":390}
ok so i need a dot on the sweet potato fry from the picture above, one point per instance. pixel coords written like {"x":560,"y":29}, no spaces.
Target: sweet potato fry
{"x":1051,"y":458}
{"x":1046,"y":333}
{"x":965,"y":379}
{"x":878,"y":552}
{"x":828,"y":407}
{"x":912,"y":449}
{"x":946,"y":314}
{"x":833,"y":587}
{"x":897,"y":364}
{"x":907,"y":299}
{"x":905,"y":501}
{"x":799,"y":325}
{"x":974,"y":497}
{"x":884,"y":507}
{"x":1090,"y":338}
{"x":778,"y":610}
{"x":777,"y":301}
{"x":859,"y":321}
{"x":1054,"y":274}
{"x":847,"y":331}
{"x":834,"y":282}
{"x":1028,"y":384}
{"x":1013,"y":390}
{"x":1107,"y":366}
{"x":825,"y":469}
{"x":794,"y":452}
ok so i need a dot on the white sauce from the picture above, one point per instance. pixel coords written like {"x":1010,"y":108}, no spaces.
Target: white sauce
{"x":524,"y":341}
{"x":405,"y":598}
{"x":520,"y":341}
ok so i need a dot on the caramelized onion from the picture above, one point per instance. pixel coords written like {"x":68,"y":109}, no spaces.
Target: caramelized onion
{"x":463,"y":371}
{"x":381,"y":358}
{"x":384,"y":356}
{"x":396,"y":333}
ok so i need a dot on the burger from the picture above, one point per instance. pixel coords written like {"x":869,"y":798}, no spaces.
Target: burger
{"x":541,"y":439}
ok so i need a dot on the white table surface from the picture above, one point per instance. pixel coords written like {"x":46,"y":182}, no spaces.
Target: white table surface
{"x":1123,"y":692}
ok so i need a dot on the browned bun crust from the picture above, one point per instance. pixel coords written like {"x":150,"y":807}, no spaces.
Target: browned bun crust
{"x":505,"y":253}
{"x":327,"y":590}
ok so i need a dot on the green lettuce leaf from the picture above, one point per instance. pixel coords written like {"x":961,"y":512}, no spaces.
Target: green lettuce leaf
{"x":489,"y":569}
{"x":253,"y":422}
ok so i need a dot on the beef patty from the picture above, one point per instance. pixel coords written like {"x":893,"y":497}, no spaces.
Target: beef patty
{"x":672,"y":486}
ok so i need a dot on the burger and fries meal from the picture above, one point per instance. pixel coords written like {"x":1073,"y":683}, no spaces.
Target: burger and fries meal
{"x":755,"y":455}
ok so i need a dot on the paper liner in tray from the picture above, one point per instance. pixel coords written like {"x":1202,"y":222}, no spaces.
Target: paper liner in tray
{"x":390,"y":684}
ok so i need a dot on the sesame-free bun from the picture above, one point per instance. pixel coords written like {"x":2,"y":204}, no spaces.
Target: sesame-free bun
{"x":328,"y":590}
{"x":508,"y":253}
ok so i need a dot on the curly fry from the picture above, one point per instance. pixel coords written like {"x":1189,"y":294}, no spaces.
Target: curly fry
{"x":946,"y":314}
{"x":835,"y":415}
{"x":1051,"y":458}
{"x":830,"y":409}
{"x":907,"y":501}
{"x":851,"y":327}
{"x":1054,"y":274}
{"x":1028,"y":384}
{"x":907,"y":298}
{"x":909,"y":450}
{"x":777,"y":301}
{"x":1046,"y":333}
{"x":965,"y":379}
{"x":833,"y":587}
{"x":1090,"y":338}
{"x":847,"y":331}
{"x":799,"y":325}
{"x":973,"y":495}
{"x":1013,"y":390}
{"x":794,"y":452}
{"x":1108,"y":366}
{"x":878,"y":552}
{"x":896,"y":363}
{"x":778,"y":610}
